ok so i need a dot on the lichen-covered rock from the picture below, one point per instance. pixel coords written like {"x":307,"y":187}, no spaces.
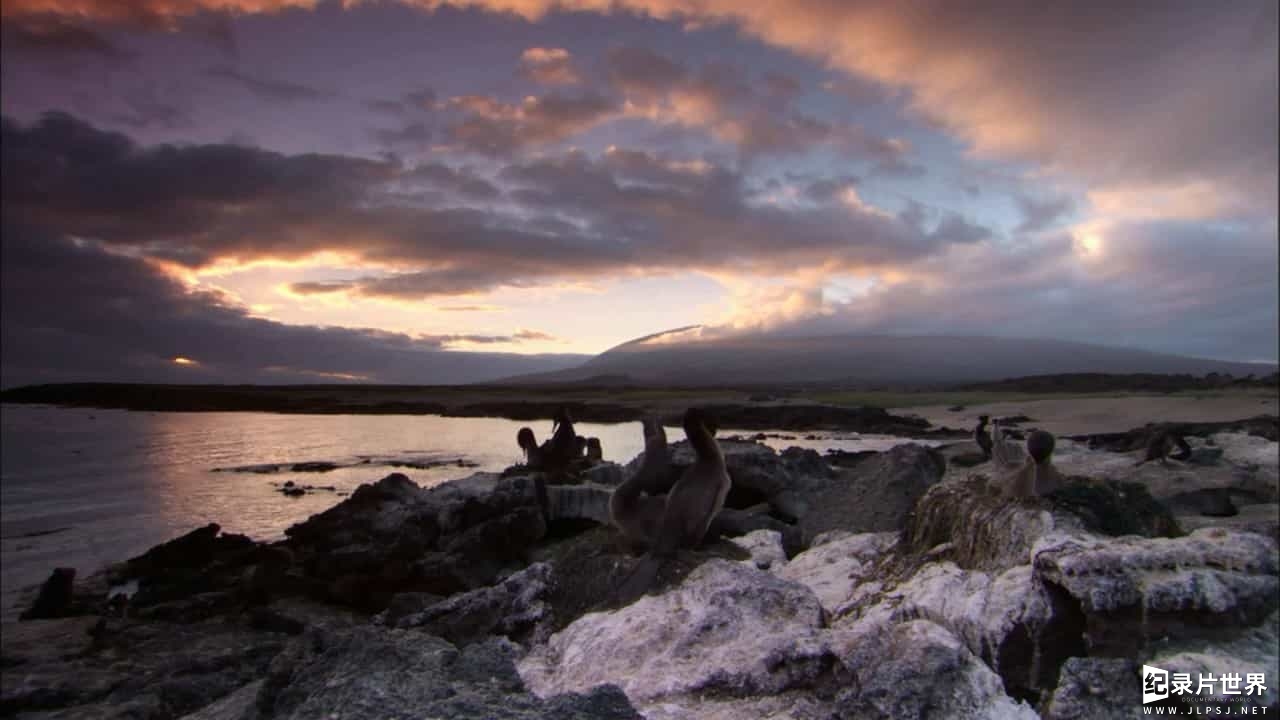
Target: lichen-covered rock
{"x":1205,"y":456}
{"x":608,"y":474}
{"x":986,"y":530}
{"x":375,"y":511}
{"x":1210,"y":502}
{"x":792,"y":705}
{"x":1135,"y":590}
{"x":1225,"y":461}
{"x":919,"y":670}
{"x":1262,"y":427}
{"x":838,"y":569}
{"x":1083,"y":594}
{"x":578,"y":502}
{"x":514,"y":608}
{"x":148,"y":670}
{"x":802,"y":462}
{"x":1248,"y":650}
{"x":1112,"y":507}
{"x":728,"y":630}
{"x":405,"y":604}
{"x":237,"y":705}
{"x":483,"y":551}
{"x":1010,"y":620}
{"x":1261,"y":518}
{"x":765,"y":547}
{"x":373,"y":672}
{"x":1092,"y":688}
{"x":989,"y":531}
{"x":733,"y":523}
{"x":876,"y":495}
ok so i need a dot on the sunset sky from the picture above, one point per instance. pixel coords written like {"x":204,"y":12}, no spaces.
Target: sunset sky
{"x":289,"y":190}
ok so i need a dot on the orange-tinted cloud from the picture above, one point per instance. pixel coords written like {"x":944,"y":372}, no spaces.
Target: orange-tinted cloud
{"x":1154,"y":95}
{"x":756,"y":115}
{"x":549,"y":66}
{"x":160,"y":12}
{"x":492,"y":127}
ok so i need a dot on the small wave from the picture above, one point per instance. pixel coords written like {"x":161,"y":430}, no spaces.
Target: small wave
{"x":34,"y":533}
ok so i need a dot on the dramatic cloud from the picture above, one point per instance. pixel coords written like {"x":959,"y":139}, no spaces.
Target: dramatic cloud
{"x":124,"y":320}
{"x":1013,"y":79}
{"x":721,"y":99}
{"x":468,"y":168}
{"x":573,"y":216}
{"x":1148,"y":286}
{"x":188,"y":204}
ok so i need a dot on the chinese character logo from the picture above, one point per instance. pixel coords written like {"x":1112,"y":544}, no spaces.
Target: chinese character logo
{"x":1155,"y":684}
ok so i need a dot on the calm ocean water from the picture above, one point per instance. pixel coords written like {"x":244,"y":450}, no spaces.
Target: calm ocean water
{"x":85,"y":488}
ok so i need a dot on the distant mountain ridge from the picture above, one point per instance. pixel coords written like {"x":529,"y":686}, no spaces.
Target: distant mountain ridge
{"x":867,"y":359}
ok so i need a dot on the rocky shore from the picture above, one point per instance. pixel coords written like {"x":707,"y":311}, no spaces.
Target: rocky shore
{"x":893,"y":584}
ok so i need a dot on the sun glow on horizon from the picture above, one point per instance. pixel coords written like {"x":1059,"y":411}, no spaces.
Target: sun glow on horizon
{"x":179,"y":360}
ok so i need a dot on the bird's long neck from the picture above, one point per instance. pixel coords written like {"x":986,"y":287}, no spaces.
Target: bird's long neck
{"x":654,"y":464}
{"x":704,"y":443}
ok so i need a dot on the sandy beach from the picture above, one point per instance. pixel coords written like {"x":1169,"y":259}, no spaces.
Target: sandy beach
{"x":1078,"y":416}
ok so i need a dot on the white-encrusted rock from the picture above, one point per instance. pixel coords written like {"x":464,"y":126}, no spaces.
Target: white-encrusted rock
{"x":837,"y":568}
{"x":765,"y":547}
{"x":728,"y":629}
{"x":1253,"y":651}
{"x":917,"y":670}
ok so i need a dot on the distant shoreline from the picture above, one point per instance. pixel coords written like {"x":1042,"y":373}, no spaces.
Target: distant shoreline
{"x":739,"y":410}
{"x":781,"y":408}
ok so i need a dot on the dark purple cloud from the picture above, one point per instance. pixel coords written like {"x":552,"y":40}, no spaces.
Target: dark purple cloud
{"x":268,"y":88}
{"x":563,"y":216}
{"x":73,"y":310}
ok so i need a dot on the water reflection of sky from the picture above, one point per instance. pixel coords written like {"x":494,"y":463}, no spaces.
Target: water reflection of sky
{"x":111,"y":483}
